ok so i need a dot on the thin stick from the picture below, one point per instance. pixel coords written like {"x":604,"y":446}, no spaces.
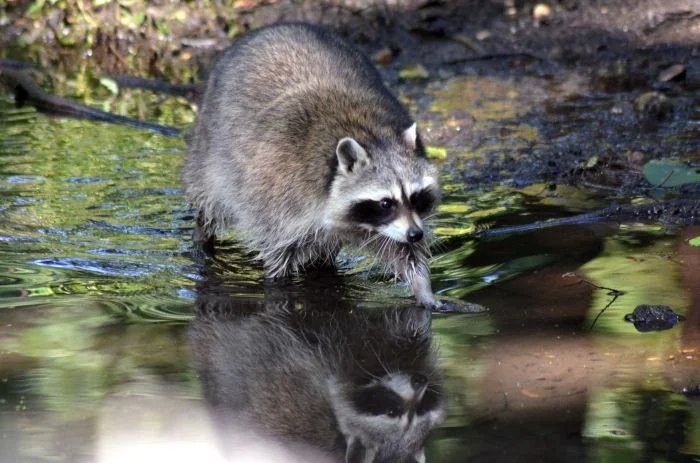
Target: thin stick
{"x":615,"y":293}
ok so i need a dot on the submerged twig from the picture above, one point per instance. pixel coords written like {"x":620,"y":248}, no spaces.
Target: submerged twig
{"x":615,"y":293}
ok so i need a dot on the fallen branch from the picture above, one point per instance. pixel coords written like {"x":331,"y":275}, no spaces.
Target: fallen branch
{"x":18,"y":81}
{"x":673,"y":212}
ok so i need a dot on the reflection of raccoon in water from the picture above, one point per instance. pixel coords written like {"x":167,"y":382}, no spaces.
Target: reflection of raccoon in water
{"x":362,"y":386}
{"x":301,"y":148}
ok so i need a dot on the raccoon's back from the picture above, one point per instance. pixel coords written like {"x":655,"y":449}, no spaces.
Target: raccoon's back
{"x":276,"y":103}
{"x":277,"y":61}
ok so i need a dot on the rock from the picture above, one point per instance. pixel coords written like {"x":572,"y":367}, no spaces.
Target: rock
{"x":647,"y":317}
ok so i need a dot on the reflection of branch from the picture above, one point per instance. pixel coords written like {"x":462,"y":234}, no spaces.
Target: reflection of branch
{"x":615,"y":296}
{"x":673,"y":212}
{"x":27,"y":92}
{"x":615,"y":293}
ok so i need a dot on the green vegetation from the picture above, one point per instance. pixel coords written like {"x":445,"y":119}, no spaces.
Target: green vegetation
{"x":77,"y":45}
{"x":158,"y":39}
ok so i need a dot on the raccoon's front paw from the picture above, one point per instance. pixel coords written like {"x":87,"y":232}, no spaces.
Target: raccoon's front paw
{"x":446,"y":306}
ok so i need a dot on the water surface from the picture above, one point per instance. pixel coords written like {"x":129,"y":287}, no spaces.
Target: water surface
{"x":97,"y":289}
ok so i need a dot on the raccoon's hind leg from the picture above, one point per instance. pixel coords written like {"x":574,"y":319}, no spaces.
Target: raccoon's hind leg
{"x":298,"y":258}
{"x":323,"y":261}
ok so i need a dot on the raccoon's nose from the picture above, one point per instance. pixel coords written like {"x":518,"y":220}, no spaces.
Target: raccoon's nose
{"x":418,"y":381}
{"x":414,"y":234}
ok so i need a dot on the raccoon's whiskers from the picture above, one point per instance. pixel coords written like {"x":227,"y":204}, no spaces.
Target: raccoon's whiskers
{"x":433,"y":372}
{"x":431,"y":387}
{"x":365,"y":243}
{"x":365,"y":370}
{"x":379,"y":359}
{"x":439,"y":246}
{"x":383,"y":245}
{"x":386,"y":248}
{"x":430,"y":216}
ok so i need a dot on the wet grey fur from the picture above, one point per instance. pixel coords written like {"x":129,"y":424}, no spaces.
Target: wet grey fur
{"x":295,"y":124}
{"x":291,"y":377}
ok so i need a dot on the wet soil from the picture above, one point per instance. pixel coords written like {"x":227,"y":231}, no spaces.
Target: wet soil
{"x":435,"y":33}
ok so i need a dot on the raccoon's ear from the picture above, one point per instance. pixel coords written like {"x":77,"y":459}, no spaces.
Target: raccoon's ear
{"x":357,"y":452}
{"x":410,"y":136}
{"x":351,"y":156}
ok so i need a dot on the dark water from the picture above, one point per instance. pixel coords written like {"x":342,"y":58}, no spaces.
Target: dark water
{"x":97,"y":290}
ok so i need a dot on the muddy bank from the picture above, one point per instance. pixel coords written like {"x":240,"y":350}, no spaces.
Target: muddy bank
{"x":159,"y":38}
{"x":608,"y":86}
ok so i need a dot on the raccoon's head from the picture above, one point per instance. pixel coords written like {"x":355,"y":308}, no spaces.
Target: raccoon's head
{"x":393,"y":398}
{"x":389,"y":418}
{"x":386,"y":186}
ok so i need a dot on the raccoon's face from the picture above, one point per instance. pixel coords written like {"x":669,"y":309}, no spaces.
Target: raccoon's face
{"x":389,"y":419}
{"x":390,"y":193}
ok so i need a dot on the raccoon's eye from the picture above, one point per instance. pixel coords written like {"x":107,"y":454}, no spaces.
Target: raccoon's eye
{"x":377,"y":400}
{"x":423,"y":201}
{"x":386,"y":203}
{"x":372,"y":212}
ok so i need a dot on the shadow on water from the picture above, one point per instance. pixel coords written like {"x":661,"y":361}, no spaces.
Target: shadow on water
{"x":103,"y":340}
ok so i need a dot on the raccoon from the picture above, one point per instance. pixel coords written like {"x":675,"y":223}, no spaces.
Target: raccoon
{"x":300,"y":148}
{"x":362,"y":387}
